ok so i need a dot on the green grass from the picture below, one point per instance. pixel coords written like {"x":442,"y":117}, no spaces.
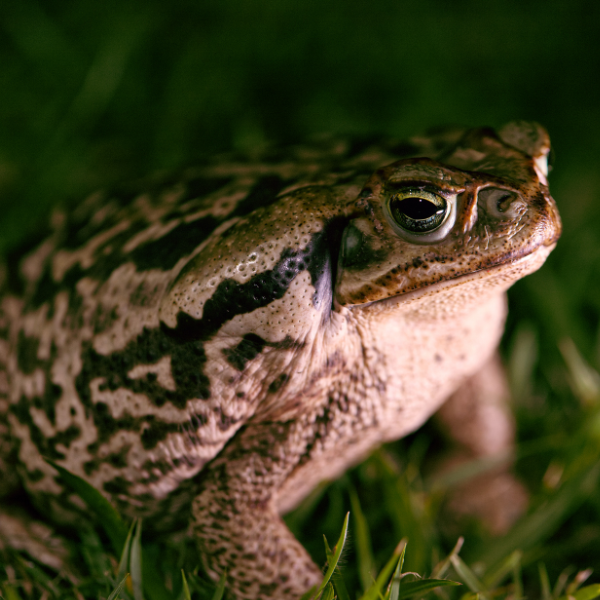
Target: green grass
{"x":92,"y":93}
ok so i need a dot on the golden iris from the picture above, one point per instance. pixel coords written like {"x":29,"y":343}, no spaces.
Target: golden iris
{"x":418,"y":211}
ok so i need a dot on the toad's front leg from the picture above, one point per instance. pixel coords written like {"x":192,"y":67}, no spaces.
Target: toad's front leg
{"x":236,"y":522}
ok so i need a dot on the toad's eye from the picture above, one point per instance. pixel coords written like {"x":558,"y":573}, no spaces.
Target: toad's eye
{"x":418,"y":211}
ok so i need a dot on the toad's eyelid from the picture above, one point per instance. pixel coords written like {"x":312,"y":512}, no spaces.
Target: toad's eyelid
{"x":426,"y":186}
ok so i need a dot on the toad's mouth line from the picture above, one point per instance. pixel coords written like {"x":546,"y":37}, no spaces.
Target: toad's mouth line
{"x":524,"y":265}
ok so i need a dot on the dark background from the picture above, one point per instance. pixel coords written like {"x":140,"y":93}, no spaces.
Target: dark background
{"x":95,"y":92}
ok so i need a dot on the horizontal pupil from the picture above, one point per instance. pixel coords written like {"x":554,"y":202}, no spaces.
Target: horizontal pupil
{"x":416,"y":208}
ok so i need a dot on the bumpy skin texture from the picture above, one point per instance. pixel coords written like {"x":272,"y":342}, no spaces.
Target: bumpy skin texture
{"x":209,"y":349}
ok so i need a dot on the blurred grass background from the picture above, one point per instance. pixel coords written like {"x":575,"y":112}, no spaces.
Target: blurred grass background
{"x":95,"y":92}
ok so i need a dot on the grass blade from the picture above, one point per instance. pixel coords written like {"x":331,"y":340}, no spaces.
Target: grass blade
{"x":124,"y":562}
{"x":108,"y":517}
{"x":517,"y":582}
{"x":136,"y":562}
{"x":414,"y":588}
{"x":580,"y":578}
{"x":587,"y":593}
{"x":328,"y":550}
{"x":336,"y":578}
{"x":340,"y":587}
{"x":220,"y":587}
{"x":306,"y":596}
{"x":561,"y":581}
{"x":584,"y":380}
{"x":394,"y":588}
{"x":336,"y":555}
{"x":9,"y":592}
{"x":544,"y":582}
{"x":469,"y":578}
{"x":410,"y":517}
{"x":374,"y":590}
{"x":36,"y":575}
{"x":492,"y":579}
{"x":441,"y":568}
{"x":328,"y":594}
{"x":366,"y":563}
{"x":115,"y":593}
{"x":92,"y":551}
{"x":186,"y":589}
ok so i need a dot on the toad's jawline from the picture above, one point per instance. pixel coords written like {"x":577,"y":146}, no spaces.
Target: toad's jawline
{"x":536,"y":258}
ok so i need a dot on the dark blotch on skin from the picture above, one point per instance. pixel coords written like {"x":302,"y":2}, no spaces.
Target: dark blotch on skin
{"x":52,"y":394}
{"x":248,"y":349}
{"x":46,"y":289}
{"x":361,"y":143}
{"x":21,"y":411}
{"x":201,"y":186}
{"x":181,"y":241}
{"x":35,"y":475}
{"x":232,"y":298}
{"x":108,"y":257}
{"x":187,"y":362}
{"x":363,"y":255}
{"x":152,"y":432}
{"x":28,"y":362}
{"x":276,"y":384}
{"x":117,"y":486}
{"x":27,"y":353}
{"x":79,"y":229}
{"x":67,"y":436}
{"x":155,"y":431}
{"x":104,"y":318}
{"x":116,"y":459}
{"x":45,"y":445}
{"x":224,"y":422}
{"x":263,"y":193}
{"x":14,"y":279}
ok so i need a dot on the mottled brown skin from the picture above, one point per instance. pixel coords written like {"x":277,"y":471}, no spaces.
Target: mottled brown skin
{"x":207,"y":351}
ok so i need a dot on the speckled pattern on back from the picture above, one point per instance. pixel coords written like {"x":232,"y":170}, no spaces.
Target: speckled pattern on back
{"x":261,"y":312}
